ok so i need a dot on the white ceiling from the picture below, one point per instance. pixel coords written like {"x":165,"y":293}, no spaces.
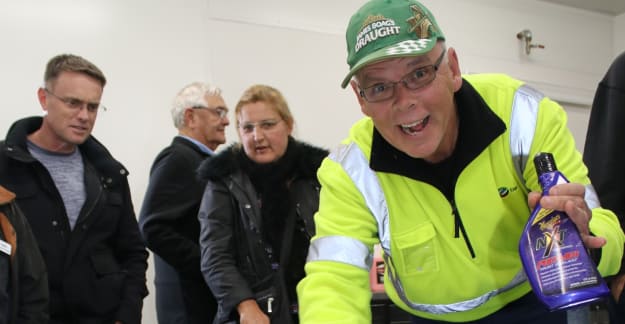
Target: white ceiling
{"x":611,"y":7}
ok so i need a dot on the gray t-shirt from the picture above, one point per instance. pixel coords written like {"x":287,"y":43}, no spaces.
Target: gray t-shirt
{"x":67,"y":172}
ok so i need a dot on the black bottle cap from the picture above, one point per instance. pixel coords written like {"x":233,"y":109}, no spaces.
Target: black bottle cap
{"x":544,"y":163}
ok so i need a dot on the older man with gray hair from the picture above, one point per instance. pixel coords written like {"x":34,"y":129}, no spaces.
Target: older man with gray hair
{"x":168,"y":217}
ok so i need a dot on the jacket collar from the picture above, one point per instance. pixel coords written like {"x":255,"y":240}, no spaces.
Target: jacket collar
{"x":91,"y":149}
{"x":192,"y":144}
{"x":229,"y":161}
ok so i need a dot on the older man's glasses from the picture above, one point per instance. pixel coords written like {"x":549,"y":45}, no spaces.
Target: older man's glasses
{"x":414,"y":80}
{"x":76,"y":104}
{"x":221,"y":112}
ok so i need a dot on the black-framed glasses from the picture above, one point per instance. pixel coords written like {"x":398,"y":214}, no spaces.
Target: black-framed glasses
{"x":264,"y":125}
{"x":418,"y":78}
{"x":76,"y":104}
{"x":222,"y":112}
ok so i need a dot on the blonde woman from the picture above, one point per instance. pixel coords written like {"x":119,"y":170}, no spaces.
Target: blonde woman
{"x":256,"y":213}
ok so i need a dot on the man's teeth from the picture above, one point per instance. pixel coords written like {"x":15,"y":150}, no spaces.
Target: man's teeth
{"x":413,"y":124}
{"x":414,"y":128}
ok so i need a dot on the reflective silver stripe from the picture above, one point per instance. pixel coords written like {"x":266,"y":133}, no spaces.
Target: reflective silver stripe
{"x":523,"y":126}
{"x":591,"y":197}
{"x":340,"y":249}
{"x":356,"y":165}
{"x":465,"y":305}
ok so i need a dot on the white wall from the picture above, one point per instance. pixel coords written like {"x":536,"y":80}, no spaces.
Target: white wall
{"x":147,"y":50}
{"x":619,"y":34}
{"x":150,"y":49}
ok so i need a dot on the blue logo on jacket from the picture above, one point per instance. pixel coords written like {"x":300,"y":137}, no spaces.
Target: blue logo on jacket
{"x":504,"y":191}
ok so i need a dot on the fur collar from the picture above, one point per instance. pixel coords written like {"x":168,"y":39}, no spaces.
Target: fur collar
{"x":307,"y":161}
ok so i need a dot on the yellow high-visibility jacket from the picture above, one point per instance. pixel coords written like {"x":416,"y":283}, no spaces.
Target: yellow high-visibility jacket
{"x":451,"y":246}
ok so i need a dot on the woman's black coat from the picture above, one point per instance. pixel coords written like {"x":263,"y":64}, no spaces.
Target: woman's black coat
{"x":235,"y":263}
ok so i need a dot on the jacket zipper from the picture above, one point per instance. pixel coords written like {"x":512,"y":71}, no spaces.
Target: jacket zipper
{"x":92,"y":207}
{"x":459,"y":227}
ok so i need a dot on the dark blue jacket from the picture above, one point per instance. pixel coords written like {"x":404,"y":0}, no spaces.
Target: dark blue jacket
{"x":169,"y":223}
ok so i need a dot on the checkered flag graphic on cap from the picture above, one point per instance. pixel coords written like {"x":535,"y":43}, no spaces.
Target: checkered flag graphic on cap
{"x":409,"y":46}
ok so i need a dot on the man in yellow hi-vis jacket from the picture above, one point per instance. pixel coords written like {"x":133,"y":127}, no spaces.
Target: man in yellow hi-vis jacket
{"x":437,"y":173}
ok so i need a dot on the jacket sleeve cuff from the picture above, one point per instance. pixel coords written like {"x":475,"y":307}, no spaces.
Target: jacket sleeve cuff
{"x":605,"y":224}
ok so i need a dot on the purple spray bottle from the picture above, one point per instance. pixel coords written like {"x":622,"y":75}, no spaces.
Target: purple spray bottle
{"x":559,"y":269}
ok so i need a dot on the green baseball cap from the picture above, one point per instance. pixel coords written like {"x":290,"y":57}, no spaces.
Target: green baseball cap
{"x":383,"y":29}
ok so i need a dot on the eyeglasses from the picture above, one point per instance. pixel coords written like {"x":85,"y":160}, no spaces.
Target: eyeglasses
{"x":77,"y":104}
{"x":264,"y":125}
{"x":222,"y":112}
{"x":414,"y":80}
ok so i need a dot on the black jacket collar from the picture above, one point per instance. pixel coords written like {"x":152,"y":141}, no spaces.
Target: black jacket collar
{"x":180,"y":140}
{"x":92,"y":149}
{"x":307,"y":160}
{"x":479,"y":126}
